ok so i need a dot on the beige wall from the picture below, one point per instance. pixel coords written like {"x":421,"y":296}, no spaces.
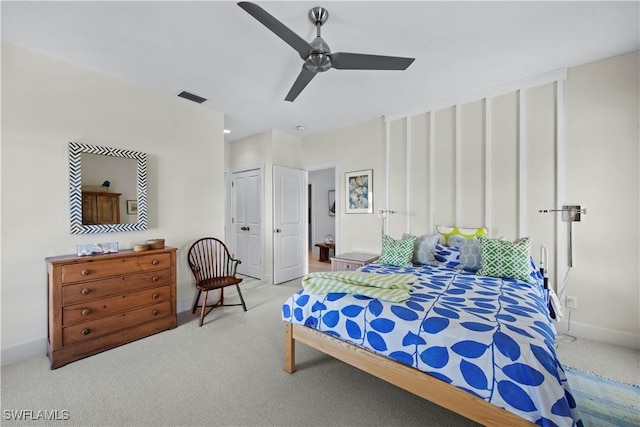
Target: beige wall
{"x":358,"y":147}
{"x":46,"y":104}
{"x":602,"y":163}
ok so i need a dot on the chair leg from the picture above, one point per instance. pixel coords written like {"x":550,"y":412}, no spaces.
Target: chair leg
{"x":241,"y":299}
{"x":204,"y":307}
{"x":195,"y":301}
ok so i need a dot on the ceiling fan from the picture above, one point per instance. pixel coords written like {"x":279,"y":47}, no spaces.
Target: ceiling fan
{"x":316,"y":55}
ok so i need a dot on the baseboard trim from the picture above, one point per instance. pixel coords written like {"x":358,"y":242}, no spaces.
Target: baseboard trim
{"x":594,"y":333}
{"x":23,"y":351}
{"x":38,"y":347}
{"x":184,"y":305}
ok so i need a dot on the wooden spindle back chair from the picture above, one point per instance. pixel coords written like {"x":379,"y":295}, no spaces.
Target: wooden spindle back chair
{"x":213,"y":268}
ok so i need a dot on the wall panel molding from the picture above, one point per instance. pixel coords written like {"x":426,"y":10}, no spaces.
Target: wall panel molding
{"x":458,"y":154}
{"x":486,"y":174}
{"x":409,"y":170}
{"x":431,"y":174}
{"x":479,"y":94}
{"x":560,"y":259}
{"x":521,"y":163}
{"x":487,"y":162}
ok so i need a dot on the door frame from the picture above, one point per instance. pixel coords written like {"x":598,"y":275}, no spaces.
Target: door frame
{"x":228,"y":229}
{"x":336,"y":178}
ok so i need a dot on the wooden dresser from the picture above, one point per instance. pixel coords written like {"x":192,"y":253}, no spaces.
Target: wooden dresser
{"x":100,"y":302}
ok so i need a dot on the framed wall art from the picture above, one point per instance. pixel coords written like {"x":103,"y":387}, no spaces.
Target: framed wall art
{"x":132,"y":207}
{"x":359,"y":191}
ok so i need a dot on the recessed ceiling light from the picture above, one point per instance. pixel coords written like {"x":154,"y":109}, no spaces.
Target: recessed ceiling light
{"x":226,"y":131}
{"x":300,"y":128}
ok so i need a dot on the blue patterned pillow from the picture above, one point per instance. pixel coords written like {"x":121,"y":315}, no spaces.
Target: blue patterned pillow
{"x":447,"y":256}
{"x":469,"y":254}
{"x":424,"y":249}
{"x":398,"y":253}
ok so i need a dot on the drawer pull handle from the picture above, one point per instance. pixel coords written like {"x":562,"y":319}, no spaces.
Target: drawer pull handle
{"x":154,"y":279}
{"x":156,"y":296}
{"x":155,"y":262}
{"x":85,"y":291}
{"x":86,"y":331}
{"x":86,"y":272}
{"x":86,"y":311}
{"x":156,"y":312}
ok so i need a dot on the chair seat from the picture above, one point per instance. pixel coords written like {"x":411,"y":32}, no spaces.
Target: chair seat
{"x":218,"y":282}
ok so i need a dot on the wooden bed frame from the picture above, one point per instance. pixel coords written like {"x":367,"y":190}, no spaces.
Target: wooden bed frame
{"x":403,"y":376}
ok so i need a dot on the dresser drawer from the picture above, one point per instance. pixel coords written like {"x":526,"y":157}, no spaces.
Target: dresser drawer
{"x":90,"y":310}
{"x":82,"y":292}
{"x":345,"y":266}
{"x":90,"y":330}
{"x":126,"y":265}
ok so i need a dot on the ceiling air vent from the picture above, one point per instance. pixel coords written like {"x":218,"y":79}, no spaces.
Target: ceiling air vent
{"x":191,"y":97}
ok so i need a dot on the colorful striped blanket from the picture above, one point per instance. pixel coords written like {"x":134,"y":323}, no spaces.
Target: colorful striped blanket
{"x":388,"y":287}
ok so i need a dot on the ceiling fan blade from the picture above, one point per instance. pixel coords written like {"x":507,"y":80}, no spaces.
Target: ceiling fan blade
{"x":278,"y":28}
{"x":359,"y":61}
{"x":301,"y":82}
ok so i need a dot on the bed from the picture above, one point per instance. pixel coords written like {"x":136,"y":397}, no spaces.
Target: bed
{"x":480,"y":346}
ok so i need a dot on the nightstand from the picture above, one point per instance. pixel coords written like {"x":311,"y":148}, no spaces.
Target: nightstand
{"x":351,"y":261}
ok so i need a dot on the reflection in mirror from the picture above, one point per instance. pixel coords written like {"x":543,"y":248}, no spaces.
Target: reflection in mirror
{"x":107,"y":189}
{"x":107,"y":183}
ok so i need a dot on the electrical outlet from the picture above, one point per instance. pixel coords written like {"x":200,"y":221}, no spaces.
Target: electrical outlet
{"x":572,"y":301}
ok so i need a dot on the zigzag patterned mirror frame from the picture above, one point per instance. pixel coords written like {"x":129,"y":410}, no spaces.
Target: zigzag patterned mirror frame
{"x":75,"y":189}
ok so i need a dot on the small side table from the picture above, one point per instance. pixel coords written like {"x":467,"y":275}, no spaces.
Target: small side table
{"x":351,"y":261}
{"x":324,"y":250}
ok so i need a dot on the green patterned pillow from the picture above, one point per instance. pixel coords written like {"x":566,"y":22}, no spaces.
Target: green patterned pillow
{"x":451,"y":235}
{"x":398,"y":253}
{"x":501,"y":258}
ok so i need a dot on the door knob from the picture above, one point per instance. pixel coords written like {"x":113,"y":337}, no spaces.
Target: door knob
{"x":278,"y":230}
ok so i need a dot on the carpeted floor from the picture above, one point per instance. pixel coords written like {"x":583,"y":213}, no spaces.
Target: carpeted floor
{"x":227,"y":373}
{"x":603,"y":402}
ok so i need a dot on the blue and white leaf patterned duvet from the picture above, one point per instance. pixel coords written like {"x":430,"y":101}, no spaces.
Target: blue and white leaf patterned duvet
{"x":488,"y":336}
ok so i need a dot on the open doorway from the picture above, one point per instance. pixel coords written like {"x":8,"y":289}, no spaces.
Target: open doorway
{"x":322,"y":218}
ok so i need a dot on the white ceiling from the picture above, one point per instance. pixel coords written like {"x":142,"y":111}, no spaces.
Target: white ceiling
{"x":216,"y":50}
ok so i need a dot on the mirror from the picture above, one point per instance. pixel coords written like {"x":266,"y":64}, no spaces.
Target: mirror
{"x":126,"y":172}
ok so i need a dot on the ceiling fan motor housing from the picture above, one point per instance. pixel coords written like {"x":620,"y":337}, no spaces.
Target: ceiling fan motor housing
{"x":318,"y":62}
{"x":320,"y":57}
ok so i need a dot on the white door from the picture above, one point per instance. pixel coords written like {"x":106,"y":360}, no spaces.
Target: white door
{"x":246,"y":221}
{"x":289,"y":224}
